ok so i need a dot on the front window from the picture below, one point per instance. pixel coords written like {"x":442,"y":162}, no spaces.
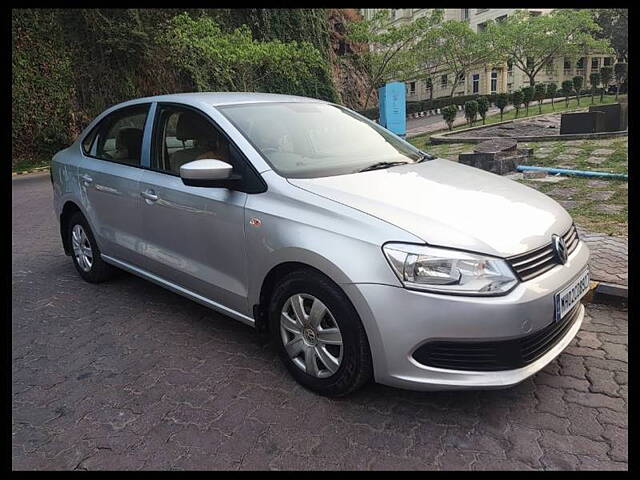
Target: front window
{"x":494,"y":81}
{"x":308,"y":140}
{"x":476,"y":82}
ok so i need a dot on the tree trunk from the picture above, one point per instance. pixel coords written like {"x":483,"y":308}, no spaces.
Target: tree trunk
{"x":602,"y":92}
{"x":366,"y":100}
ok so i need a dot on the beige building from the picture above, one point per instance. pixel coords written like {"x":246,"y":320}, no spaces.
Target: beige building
{"x":483,"y":79}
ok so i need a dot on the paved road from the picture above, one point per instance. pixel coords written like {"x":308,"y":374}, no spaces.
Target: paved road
{"x":126,"y":375}
{"x":434,"y":123}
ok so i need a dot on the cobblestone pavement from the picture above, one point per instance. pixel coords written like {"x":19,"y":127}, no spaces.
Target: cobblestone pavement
{"x":609,"y":260}
{"x":126,"y":375}
{"x":542,"y":125}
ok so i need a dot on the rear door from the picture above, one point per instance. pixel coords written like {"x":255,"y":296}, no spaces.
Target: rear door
{"x":194,"y":235}
{"x":109,"y":175}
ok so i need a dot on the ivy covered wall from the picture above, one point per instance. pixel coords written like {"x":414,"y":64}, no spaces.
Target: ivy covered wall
{"x":68,"y":65}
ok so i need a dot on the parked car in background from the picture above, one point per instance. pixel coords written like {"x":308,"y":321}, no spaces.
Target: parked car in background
{"x":362,"y":256}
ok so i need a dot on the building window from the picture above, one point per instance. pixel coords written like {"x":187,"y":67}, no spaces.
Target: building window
{"x":461,"y":77}
{"x":595,"y":63}
{"x":443,"y":80}
{"x":509,"y":66}
{"x":607,"y":61}
{"x":548,"y":67}
{"x":482,"y":26}
{"x":494,"y":81}
{"x":465,"y":14}
{"x":501,"y":18}
{"x":475,"y":81}
{"x":412,"y":88}
{"x":394,"y":13}
{"x":580,"y":63}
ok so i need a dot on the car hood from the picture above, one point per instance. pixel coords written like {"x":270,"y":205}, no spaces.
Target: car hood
{"x":451,"y":205}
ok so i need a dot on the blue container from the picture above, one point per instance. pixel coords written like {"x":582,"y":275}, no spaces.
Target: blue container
{"x":393,"y":107}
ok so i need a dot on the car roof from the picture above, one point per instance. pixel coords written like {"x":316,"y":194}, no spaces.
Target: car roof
{"x":219,"y":98}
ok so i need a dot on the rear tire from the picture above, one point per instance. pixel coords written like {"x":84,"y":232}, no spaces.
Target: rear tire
{"x":327,"y":348}
{"x":85,"y":252}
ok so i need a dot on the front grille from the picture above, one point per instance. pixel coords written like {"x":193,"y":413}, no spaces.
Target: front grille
{"x":496,"y":355}
{"x":535,"y":262}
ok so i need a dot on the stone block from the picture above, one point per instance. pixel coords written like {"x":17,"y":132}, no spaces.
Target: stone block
{"x":581,"y":122}
{"x":615,"y":116}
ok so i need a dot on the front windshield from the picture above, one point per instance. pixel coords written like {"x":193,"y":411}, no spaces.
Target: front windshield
{"x":308,"y":140}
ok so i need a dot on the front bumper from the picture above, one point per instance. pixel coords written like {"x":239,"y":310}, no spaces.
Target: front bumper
{"x":398,"y":321}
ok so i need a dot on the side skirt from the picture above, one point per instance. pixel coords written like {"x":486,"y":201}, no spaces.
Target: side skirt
{"x":180,"y":290}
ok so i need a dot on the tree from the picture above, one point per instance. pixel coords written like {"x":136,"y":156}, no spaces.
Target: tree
{"x":483,"y":108}
{"x":458,"y":48}
{"x":502,"y":100}
{"x":234,"y":61}
{"x":606,"y":75}
{"x":533,"y":41}
{"x":577,"y":86}
{"x":620,"y":70}
{"x":429,"y":86}
{"x":471,"y":111}
{"x":567,"y":87}
{"x":539,"y":94}
{"x":551,"y":92}
{"x":517,"y":98}
{"x":594,"y":80}
{"x":527,"y":96}
{"x":449,"y":115}
{"x":391,"y":53}
{"x":614,"y":25}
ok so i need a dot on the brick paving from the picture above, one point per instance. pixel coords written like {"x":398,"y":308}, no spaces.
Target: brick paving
{"x":609,"y":257}
{"x":127,"y":375}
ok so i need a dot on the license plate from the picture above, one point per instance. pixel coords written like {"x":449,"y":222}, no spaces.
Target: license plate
{"x":568,"y":298}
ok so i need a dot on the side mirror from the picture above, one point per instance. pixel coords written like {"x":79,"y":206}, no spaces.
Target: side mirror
{"x":208,"y":173}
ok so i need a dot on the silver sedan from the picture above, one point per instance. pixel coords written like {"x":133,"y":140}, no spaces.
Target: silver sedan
{"x":361,"y":256}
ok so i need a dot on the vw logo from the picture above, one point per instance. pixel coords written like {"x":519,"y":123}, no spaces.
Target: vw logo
{"x":559,"y":248}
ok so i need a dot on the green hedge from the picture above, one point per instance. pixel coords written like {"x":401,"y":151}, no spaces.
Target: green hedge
{"x":439,"y":103}
{"x":68,"y":65}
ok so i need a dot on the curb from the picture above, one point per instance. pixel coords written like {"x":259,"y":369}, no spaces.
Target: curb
{"x":28,"y":172}
{"x":608,"y":293}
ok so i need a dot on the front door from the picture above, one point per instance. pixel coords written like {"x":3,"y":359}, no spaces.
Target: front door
{"x":194,"y":235}
{"x":109,"y":173}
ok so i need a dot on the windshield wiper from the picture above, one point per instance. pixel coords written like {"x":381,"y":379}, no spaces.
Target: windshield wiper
{"x":426,"y":156}
{"x":381,"y":165}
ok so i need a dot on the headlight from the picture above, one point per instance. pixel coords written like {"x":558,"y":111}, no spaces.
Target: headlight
{"x":449,"y":271}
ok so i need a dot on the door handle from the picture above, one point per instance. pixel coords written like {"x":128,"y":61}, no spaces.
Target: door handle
{"x":149,"y":195}
{"x":86,"y":179}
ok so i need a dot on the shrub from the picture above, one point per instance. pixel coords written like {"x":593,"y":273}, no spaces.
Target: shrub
{"x":501,"y":101}
{"x":594,"y":80}
{"x":620,"y":70}
{"x":527,"y":96}
{"x":449,"y":115}
{"x":538,"y":94}
{"x":567,"y":86}
{"x":471,"y":111}
{"x":577,"y":85}
{"x":551,"y":92}
{"x":606,"y":75}
{"x":517,"y":99}
{"x":483,"y":107}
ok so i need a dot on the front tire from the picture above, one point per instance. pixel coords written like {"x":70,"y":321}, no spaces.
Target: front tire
{"x":85,"y":252}
{"x":319,"y":335}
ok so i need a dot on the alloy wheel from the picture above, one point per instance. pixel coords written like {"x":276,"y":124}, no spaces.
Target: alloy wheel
{"x":81,"y":247}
